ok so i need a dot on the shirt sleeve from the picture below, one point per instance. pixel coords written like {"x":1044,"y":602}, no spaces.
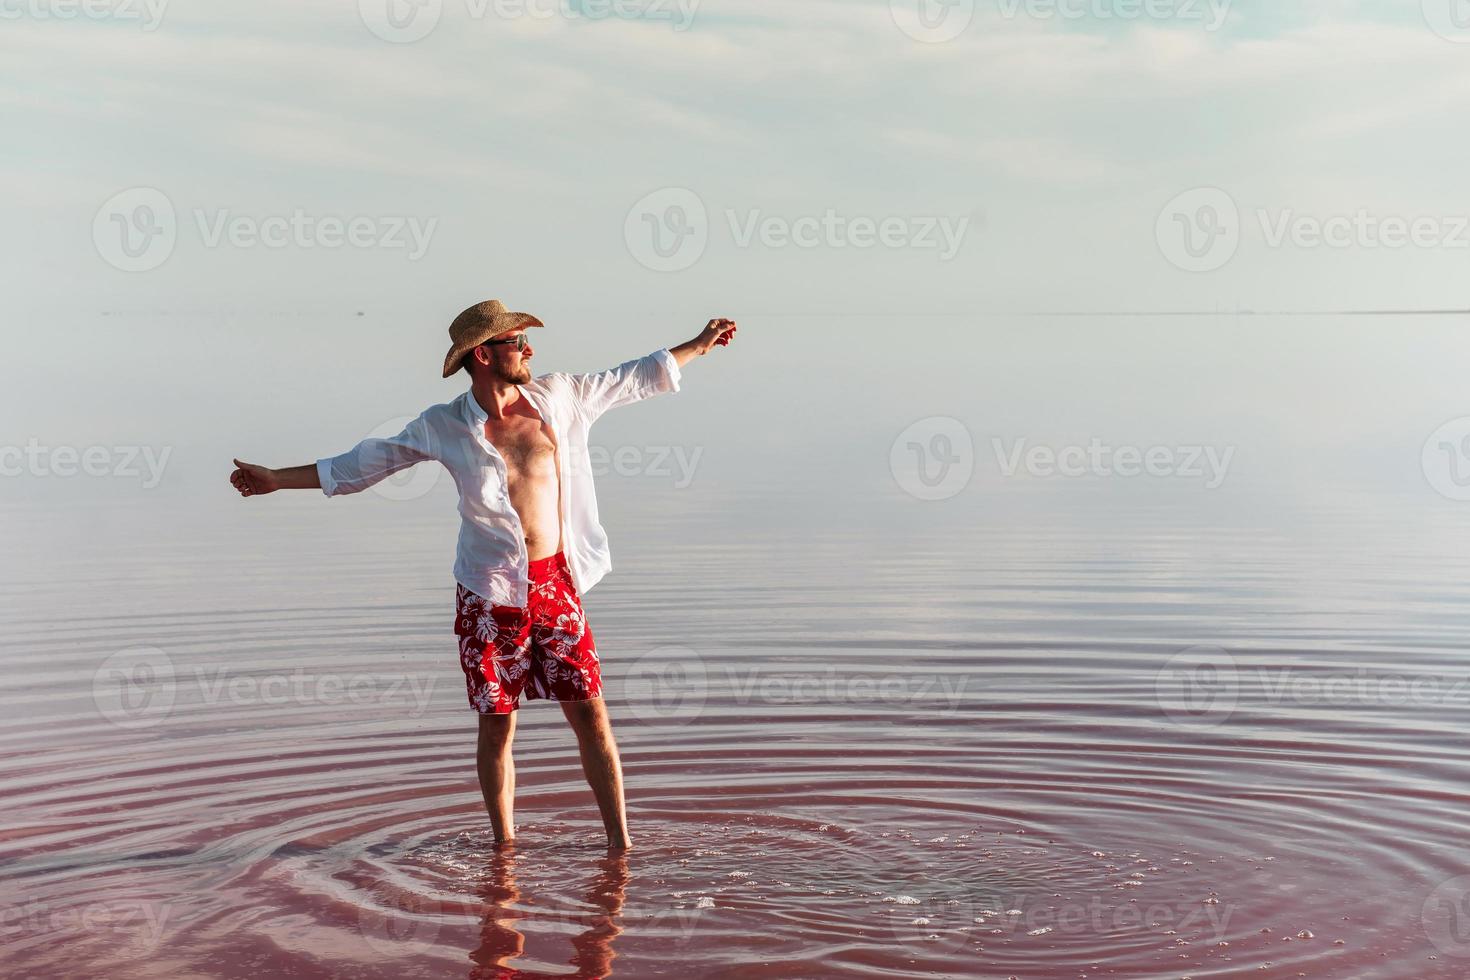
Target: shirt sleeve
{"x":631,"y":381}
{"x":376,"y":459}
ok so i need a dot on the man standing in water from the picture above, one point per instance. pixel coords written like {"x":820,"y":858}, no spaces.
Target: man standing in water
{"x":530,"y":543}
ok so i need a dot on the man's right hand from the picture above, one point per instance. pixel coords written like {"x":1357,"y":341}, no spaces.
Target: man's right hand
{"x":250,"y":479}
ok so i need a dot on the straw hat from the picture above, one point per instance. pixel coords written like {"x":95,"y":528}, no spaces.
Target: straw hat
{"x":482,"y":322}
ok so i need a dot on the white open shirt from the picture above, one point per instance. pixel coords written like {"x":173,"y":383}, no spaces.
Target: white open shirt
{"x":491,"y":558}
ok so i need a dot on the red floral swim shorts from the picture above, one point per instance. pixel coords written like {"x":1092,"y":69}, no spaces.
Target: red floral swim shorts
{"x":544,"y":650}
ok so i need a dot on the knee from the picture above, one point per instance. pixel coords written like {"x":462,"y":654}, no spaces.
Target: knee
{"x":494,"y":741}
{"x":493,"y":754}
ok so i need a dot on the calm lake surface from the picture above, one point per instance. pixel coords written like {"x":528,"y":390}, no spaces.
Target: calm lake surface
{"x":1039,"y":728}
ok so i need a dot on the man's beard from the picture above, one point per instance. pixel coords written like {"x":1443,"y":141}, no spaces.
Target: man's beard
{"x":517,"y":377}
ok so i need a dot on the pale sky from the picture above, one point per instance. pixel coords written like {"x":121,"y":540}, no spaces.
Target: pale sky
{"x":1034,"y":161}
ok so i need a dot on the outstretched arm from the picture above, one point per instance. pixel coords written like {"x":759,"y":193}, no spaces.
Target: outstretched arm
{"x":644,"y":377}
{"x":251,"y":479}
{"x":363,"y":465}
{"x":716,"y":333}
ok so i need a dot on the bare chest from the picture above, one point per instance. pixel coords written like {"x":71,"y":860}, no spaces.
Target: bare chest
{"x":527,"y":445}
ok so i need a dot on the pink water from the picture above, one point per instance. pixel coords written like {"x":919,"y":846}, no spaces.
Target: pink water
{"x":898,"y":746}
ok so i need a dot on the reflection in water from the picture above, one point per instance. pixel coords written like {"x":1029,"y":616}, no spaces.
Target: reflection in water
{"x":597,"y":926}
{"x":1054,"y":739}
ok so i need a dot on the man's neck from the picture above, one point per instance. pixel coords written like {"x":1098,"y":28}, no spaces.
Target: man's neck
{"x":495,"y":397}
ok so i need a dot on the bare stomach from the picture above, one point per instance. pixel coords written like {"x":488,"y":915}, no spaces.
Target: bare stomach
{"x":536,"y":499}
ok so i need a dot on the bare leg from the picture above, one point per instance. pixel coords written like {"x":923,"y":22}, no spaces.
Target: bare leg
{"x":601,"y":766}
{"x":497,"y":769}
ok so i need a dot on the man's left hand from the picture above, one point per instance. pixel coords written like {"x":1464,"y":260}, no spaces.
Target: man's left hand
{"x":717,"y":333}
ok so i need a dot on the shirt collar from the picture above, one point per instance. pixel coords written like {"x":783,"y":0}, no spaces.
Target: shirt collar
{"x":473,"y":409}
{"x":477,"y":415}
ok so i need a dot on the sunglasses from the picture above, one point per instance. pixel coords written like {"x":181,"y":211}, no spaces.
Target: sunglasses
{"x":519,"y":340}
